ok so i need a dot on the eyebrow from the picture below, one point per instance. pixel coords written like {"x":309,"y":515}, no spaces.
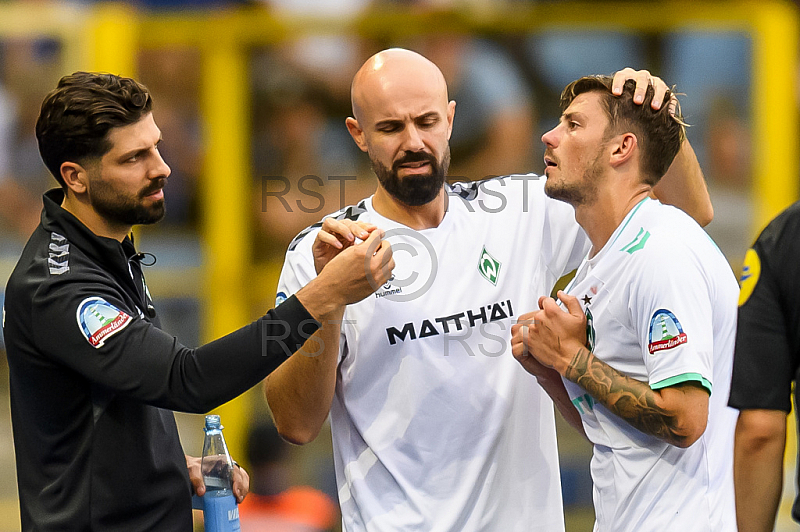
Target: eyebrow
{"x":388,"y":122}
{"x":138,"y":151}
{"x":430,"y":114}
{"x":395,"y":121}
{"x":571,"y":116}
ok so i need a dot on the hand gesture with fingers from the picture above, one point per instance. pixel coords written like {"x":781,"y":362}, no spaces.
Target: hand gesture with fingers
{"x":360,"y":269}
{"x":522,"y":352}
{"x":349,"y":275}
{"x":335,"y":236}
{"x":555,"y":335}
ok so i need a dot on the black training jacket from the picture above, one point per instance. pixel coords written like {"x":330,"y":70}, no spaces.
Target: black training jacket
{"x":94,"y":381}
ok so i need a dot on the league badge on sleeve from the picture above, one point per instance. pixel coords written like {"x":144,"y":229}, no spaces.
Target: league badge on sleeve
{"x":665,"y":332}
{"x":99,"y":320}
{"x":750,"y":273}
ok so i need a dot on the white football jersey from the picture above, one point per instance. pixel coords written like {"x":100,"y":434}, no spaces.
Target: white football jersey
{"x":661,"y":302}
{"x":435,"y":426}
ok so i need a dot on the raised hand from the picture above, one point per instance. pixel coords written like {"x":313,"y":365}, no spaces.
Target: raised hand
{"x":643,"y":79}
{"x":350,"y":276}
{"x":335,"y":236}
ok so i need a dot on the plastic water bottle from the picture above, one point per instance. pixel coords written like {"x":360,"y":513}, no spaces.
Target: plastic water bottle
{"x":220,"y":513}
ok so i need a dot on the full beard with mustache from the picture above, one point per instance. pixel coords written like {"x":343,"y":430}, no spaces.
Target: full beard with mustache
{"x":414,"y":190}
{"x":128,"y":210}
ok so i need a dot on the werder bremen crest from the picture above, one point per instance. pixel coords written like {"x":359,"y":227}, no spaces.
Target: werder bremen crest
{"x":489,"y":267}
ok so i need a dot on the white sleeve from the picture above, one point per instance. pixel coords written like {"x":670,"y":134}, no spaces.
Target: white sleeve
{"x":671,"y":307}
{"x":298,"y":268}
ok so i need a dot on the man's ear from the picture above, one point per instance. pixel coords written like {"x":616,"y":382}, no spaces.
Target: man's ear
{"x":75,"y":177}
{"x":451,"y":113}
{"x":623,"y":148}
{"x":356,"y":132}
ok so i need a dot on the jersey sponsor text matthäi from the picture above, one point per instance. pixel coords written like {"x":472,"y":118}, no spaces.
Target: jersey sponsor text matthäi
{"x":435,"y":426}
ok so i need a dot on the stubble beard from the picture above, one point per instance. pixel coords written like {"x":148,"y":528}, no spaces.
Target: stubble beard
{"x":581,"y":193}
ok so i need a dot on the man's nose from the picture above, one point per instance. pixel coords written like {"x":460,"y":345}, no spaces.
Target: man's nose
{"x":160,"y":168}
{"x":413,"y":139}
{"x":550,"y":138}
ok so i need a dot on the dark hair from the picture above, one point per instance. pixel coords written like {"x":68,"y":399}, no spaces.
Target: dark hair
{"x":77,"y":116}
{"x":659,"y":132}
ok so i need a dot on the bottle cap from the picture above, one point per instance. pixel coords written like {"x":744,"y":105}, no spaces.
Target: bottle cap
{"x":212,"y":422}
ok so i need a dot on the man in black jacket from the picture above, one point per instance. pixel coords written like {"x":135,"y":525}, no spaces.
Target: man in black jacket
{"x":93,"y":378}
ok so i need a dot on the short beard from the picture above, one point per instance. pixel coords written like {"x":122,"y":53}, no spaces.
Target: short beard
{"x":126,"y":210}
{"x":582,"y":193}
{"x":414,"y":190}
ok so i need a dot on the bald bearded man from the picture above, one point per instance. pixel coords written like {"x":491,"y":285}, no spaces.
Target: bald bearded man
{"x":435,"y":427}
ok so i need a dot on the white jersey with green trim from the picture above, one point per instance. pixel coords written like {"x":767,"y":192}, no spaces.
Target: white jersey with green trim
{"x":660,"y":299}
{"x":435,"y":426}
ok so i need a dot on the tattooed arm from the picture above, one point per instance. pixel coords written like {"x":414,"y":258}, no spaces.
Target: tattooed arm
{"x":675,"y":414}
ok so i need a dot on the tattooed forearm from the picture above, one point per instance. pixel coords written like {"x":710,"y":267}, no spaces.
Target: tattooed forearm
{"x":632,"y":400}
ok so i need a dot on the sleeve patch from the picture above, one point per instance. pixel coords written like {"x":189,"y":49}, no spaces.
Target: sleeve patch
{"x":750,"y":273}
{"x":98,"y":320}
{"x":280,"y":298}
{"x":665,"y":332}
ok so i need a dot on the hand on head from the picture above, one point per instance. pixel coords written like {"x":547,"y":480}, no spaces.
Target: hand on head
{"x":643,"y":79}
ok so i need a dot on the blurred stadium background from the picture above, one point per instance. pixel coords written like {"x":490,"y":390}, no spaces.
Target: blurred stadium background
{"x":251,"y":98}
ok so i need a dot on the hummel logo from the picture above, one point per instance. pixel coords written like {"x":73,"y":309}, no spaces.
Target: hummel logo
{"x":489,"y":267}
{"x":388,"y":289}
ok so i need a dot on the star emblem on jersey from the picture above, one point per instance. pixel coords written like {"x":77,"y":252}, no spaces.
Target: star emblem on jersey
{"x":586,"y":300}
{"x":99,"y":320}
{"x":665,"y":332}
{"x":489,"y":267}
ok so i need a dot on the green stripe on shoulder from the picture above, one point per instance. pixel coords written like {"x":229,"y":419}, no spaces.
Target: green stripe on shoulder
{"x":685,"y":377}
{"x":627,"y":219}
{"x":637,"y":243}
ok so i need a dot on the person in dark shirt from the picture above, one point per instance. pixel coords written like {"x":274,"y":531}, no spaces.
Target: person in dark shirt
{"x":93,"y":378}
{"x":766,"y":362}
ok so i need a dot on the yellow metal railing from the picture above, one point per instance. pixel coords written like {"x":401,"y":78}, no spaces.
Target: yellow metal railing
{"x":108,"y":37}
